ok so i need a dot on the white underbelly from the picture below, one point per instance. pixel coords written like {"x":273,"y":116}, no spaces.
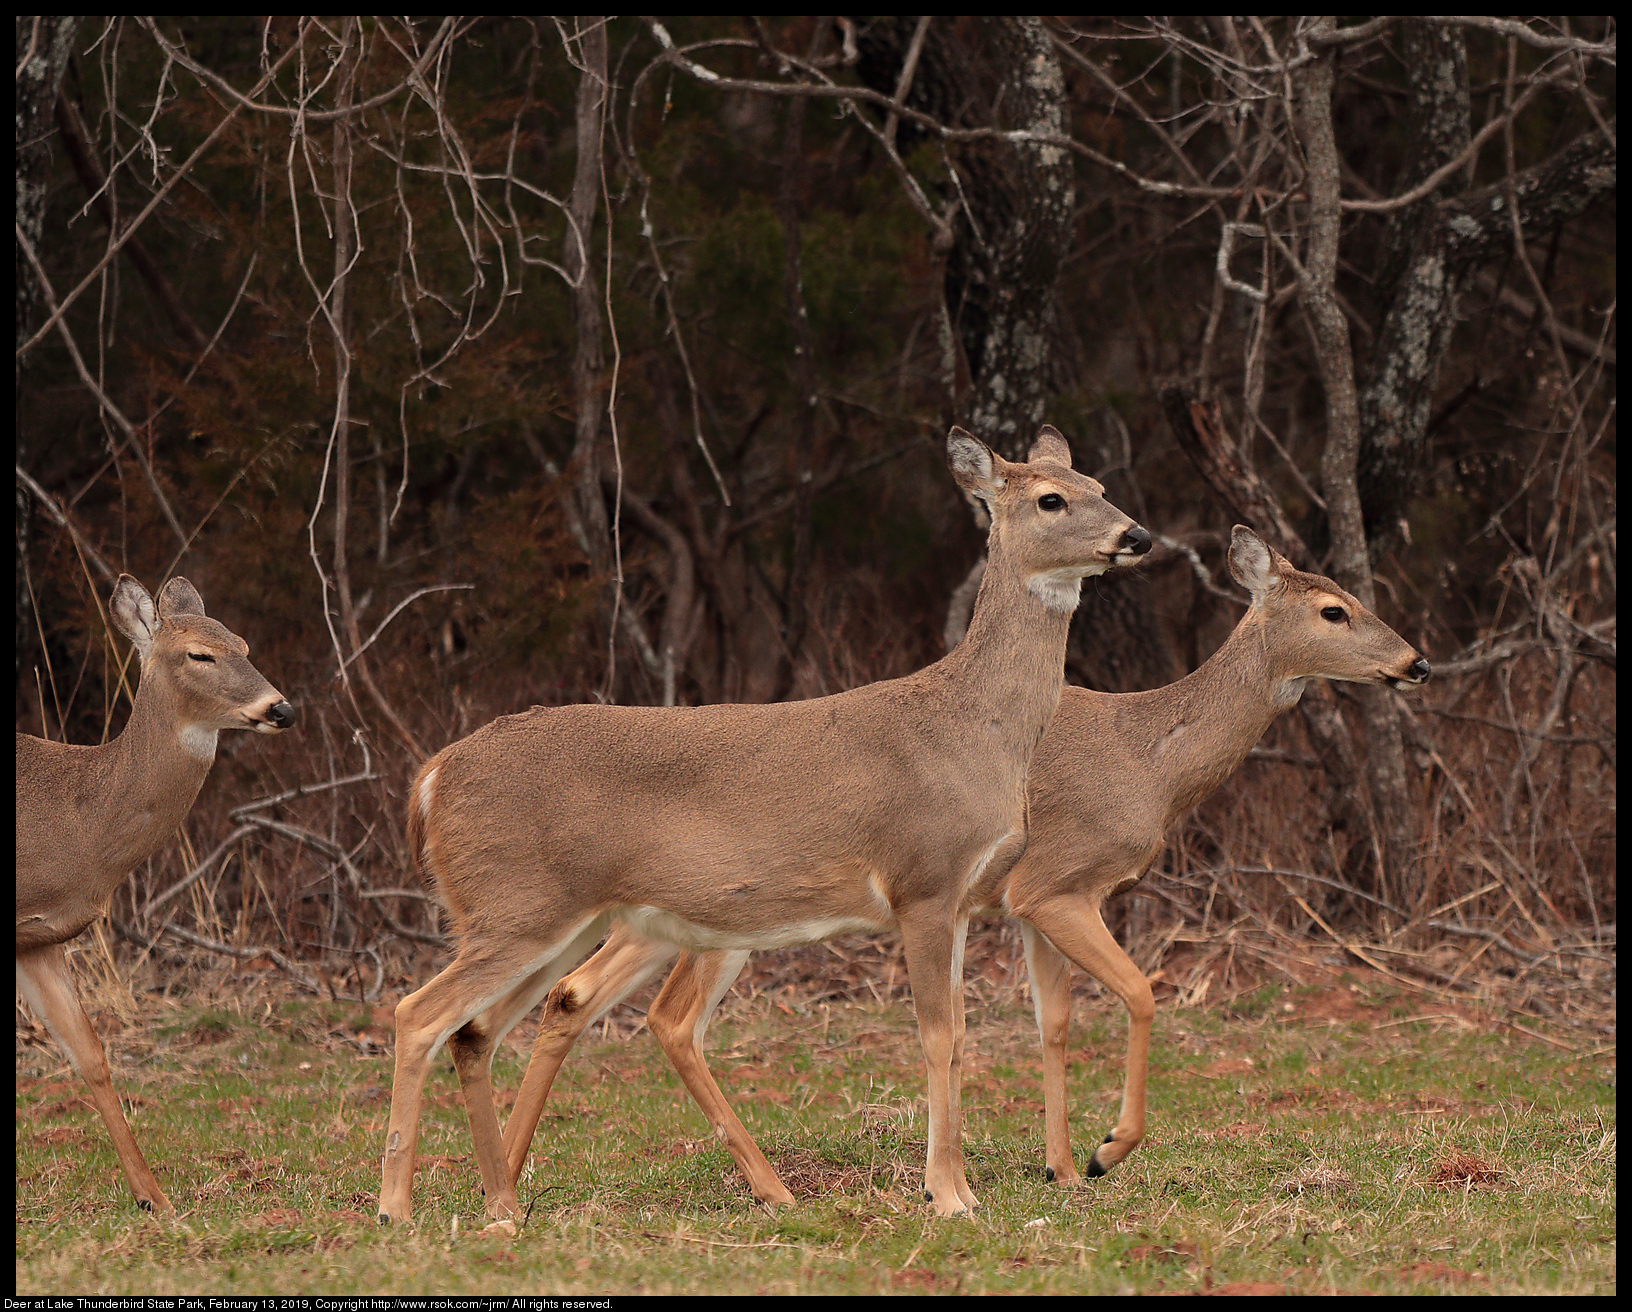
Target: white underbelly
{"x":665,"y":926}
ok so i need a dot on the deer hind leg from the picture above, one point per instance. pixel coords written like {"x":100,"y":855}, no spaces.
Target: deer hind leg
{"x":621,"y":966}
{"x":1051,"y":1001}
{"x":934,"y":951}
{"x":44,"y":979}
{"x":678,"y":1018}
{"x":480,"y":978}
{"x":1074,"y":926}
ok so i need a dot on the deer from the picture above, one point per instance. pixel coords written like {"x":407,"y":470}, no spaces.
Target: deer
{"x":735,"y":827}
{"x":1111,"y":775}
{"x":88,"y":816}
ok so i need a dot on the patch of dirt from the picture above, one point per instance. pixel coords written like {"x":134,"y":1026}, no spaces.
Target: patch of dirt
{"x":809,"y":1176}
{"x":1340,"y":1002}
{"x":1427,"y":1104}
{"x":48,"y":1088}
{"x":1460,"y":1170}
{"x":1227,"y":1066}
{"x":1439,"y":1271}
{"x":1187,"y":1253}
{"x":62,"y":1106}
{"x":61,"y":1136}
{"x":278,"y":1218}
{"x":1314,"y":1096}
{"x":931,"y":1282}
{"x":1318,"y":1180}
{"x":1245,"y":1289}
{"x":256,"y":1173}
{"x":1240,"y":1130}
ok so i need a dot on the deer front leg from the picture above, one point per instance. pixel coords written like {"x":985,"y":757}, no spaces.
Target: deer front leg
{"x":934,"y":951}
{"x":679,"y":1017}
{"x":1074,"y":926}
{"x":1051,"y":1002}
{"x":623,"y":963}
{"x":43,"y":977}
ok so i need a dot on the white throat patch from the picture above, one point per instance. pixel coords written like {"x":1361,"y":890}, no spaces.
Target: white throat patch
{"x":198,"y":741}
{"x":1058,"y":589}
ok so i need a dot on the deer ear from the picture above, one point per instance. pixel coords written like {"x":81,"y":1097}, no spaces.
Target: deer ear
{"x":1050,"y":445}
{"x":133,"y":612}
{"x":1253,"y":564}
{"x":974,"y":464}
{"x":179,"y":597}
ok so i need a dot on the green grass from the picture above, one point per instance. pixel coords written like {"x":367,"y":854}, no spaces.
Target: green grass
{"x":1293,"y":1140}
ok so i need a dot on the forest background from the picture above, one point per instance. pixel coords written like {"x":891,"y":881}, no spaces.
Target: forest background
{"x":468,"y":364}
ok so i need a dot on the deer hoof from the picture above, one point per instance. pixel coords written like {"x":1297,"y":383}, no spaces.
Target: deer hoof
{"x":1048,"y":1174}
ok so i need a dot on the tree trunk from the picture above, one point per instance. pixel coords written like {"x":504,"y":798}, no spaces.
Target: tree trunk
{"x":588,"y":361}
{"x":1004,"y":266}
{"x":1350,"y":563}
{"x":44,"y":42}
{"x":1417,"y":287}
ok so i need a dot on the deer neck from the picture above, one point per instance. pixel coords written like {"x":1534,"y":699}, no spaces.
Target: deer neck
{"x":1010,"y":666}
{"x":150,"y":775}
{"x":1197,"y":731}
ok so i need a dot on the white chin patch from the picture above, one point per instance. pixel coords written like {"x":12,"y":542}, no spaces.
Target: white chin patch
{"x":1059,"y":590}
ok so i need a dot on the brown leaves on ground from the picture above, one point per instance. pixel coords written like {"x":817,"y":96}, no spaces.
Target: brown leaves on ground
{"x":931,"y":1282}
{"x":1460,"y":1170}
{"x":1439,"y":1271}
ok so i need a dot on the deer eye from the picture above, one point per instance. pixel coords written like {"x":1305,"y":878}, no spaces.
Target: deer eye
{"x":201,"y":656}
{"x":1051,"y":501}
{"x":1336,"y":614}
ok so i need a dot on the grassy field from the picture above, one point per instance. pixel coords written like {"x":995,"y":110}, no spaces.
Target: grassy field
{"x":1340,"y":1139}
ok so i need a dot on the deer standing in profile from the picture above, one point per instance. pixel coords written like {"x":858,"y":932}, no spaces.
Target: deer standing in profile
{"x":1113,"y":772}
{"x":736,"y":827}
{"x":87,"y":816}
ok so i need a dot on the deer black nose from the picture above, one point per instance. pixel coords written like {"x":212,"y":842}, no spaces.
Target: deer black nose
{"x":1420,"y":669}
{"x":281,"y":716}
{"x":1136,"y":540}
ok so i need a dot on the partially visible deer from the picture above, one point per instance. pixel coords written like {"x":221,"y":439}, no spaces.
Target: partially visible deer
{"x":740,"y":827}
{"x":87,"y":816}
{"x":1113,"y":771}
